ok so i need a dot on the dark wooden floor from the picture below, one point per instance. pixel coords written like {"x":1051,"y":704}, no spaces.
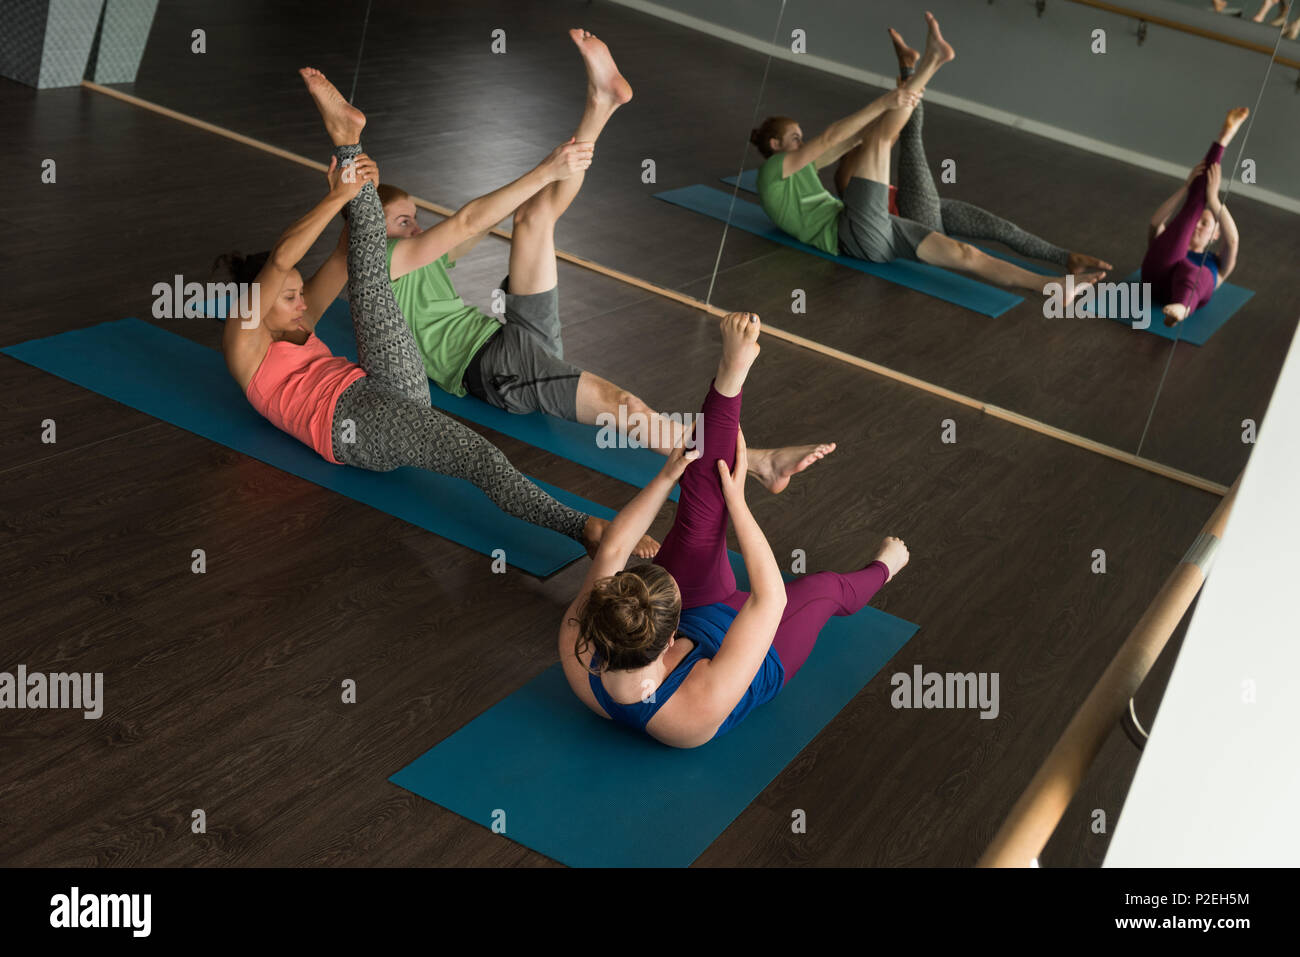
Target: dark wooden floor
{"x":222,"y":689}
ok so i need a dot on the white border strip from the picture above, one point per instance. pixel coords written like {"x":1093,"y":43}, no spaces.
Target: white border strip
{"x":1045,"y":130}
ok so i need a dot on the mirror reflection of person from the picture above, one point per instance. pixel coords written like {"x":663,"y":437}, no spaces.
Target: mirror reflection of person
{"x":1182,"y":270}
{"x":861,"y":225}
{"x":918,"y":199}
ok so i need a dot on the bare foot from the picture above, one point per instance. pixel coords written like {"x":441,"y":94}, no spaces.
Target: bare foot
{"x":1262,"y":12}
{"x":343,"y":121}
{"x":774,"y":467}
{"x":1231,"y":123}
{"x":936,"y":47}
{"x":604,"y":82}
{"x":1077,"y":282}
{"x":1078,"y":262}
{"x":595,"y":530}
{"x":739,"y":350}
{"x":1175,"y":313}
{"x":907,"y":57}
{"x":894,"y":554}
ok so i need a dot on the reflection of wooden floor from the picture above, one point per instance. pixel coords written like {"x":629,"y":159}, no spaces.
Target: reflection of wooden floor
{"x":450,"y":121}
{"x":221,"y":690}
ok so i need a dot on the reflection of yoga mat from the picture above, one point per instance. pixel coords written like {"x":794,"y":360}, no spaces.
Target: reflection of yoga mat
{"x":931,"y":280}
{"x":181,"y":382}
{"x":589,"y":793}
{"x":1197,"y":328}
{"x":749,"y":182}
{"x":569,"y":440}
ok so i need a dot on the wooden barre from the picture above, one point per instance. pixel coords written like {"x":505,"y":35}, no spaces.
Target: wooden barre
{"x":1014,"y":418}
{"x":1188,"y":28}
{"x":1038,"y":811}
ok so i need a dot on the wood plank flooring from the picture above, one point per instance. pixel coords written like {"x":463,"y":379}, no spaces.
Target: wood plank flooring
{"x":222,"y":689}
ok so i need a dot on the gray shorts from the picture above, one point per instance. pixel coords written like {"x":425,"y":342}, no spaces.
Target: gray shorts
{"x":869,"y":231}
{"x":522,"y":368}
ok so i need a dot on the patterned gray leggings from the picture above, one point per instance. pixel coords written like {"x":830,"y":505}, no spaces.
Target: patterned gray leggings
{"x":919,"y":200}
{"x":393,"y":422}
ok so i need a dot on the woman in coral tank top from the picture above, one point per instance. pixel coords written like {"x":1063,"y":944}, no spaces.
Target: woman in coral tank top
{"x":374,"y":414}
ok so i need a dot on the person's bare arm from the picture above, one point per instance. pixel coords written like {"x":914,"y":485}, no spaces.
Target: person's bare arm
{"x":294,"y":243}
{"x":845,"y":129}
{"x":1227,"y":225}
{"x":481,"y":214}
{"x":464,"y":248}
{"x":836,"y":151}
{"x":635,"y":518}
{"x":328,"y":281}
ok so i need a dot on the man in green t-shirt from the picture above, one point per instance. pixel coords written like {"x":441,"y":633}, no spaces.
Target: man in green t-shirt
{"x":860,"y":224}
{"x":518,"y":365}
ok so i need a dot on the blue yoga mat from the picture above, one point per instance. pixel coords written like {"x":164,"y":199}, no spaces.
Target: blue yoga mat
{"x":589,"y":793}
{"x":749,"y":182}
{"x":176,"y":380}
{"x":931,"y":280}
{"x":1197,"y":328}
{"x":570,"y":440}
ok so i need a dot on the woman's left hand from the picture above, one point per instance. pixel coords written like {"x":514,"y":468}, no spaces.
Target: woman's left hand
{"x":346,"y":181}
{"x":1213,"y":179}
{"x":681,"y":456}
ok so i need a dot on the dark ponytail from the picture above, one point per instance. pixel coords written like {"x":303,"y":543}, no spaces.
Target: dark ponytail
{"x":773,"y":128}
{"x":236,"y":267}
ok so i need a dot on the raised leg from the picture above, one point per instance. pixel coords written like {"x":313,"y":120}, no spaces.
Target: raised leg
{"x":386,"y":348}
{"x":695,"y":550}
{"x":1170,"y":247}
{"x":873,"y":161}
{"x":773,"y":468}
{"x":532,"y":247}
{"x":918,"y":198}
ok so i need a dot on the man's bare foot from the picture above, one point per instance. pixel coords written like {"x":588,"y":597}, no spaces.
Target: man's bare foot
{"x":1078,"y":262}
{"x":1262,"y":12}
{"x":774,"y":467}
{"x":343,"y":121}
{"x":907,"y":57}
{"x":894,"y":554}
{"x":1077,"y":282}
{"x":938,"y":49}
{"x":1231,"y":123}
{"x":1175,"y":313}
{"x":739,"y":350}
{"x":595,"y":530}
{"x":604,"y":82}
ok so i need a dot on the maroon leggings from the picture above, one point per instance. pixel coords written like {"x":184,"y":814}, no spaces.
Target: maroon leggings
{"x":695,"y":551}
{"x":1172,"y":276}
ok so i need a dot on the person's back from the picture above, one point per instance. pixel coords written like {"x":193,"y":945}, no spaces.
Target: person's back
{"x":706,"y":627}
{"x":800,"y":204}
